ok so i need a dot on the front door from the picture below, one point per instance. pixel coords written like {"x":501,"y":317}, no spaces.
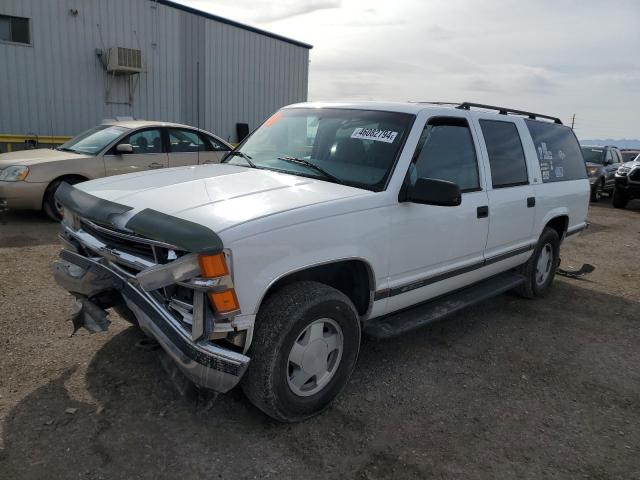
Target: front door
{"x":148,"y":153}
{"x":438,"y":249}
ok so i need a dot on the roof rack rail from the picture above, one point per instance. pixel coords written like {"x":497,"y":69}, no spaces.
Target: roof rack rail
{"x":506,"y":111}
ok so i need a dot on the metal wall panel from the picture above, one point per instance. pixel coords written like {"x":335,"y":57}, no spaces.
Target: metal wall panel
{"x":57,"y":85}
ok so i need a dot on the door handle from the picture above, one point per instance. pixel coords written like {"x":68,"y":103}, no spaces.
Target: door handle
{"x":531,"y":202}
{"x":483,"y":212}
{"x":155,"y":165}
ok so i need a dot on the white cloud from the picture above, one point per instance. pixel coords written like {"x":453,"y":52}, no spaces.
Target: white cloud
{"x":553,"y":56}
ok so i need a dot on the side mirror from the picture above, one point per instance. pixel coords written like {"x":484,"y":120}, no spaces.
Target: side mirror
{"x":430,"y":191}
{"x":124,"y":148}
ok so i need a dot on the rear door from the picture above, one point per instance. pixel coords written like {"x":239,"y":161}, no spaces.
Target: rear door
{"x":190,"y":147}
{"x":510,"y":192}
{"x":148,"y":153}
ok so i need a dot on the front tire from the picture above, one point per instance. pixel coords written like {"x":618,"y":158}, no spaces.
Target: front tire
{"x":596,"y":190}
{"x":51,"y":208}
{"x":540,"y":269}
{"x":304,"y":349}
{"x":620,"y":198}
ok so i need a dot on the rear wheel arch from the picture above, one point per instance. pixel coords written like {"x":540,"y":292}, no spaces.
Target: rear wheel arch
{"x":559,"y":224}
{"x":353,"y":277}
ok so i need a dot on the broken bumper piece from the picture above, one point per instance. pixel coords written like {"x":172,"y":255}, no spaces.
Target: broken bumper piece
{"x":203,"y":362}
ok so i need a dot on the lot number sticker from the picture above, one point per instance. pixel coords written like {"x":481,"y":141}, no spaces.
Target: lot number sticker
{"x":386,"y":136}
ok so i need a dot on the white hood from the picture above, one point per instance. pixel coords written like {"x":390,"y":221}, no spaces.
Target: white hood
{"x":217,"y":196}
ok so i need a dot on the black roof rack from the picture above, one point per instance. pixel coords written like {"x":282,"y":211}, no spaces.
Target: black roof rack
{"x":506,"y":111}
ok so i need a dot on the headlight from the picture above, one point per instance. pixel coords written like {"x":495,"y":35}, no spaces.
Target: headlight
{"x":592,"y":171}
{"x":622,"y":171}
{"x":14,"y":174}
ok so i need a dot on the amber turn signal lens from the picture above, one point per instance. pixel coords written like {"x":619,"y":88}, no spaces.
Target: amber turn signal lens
{"x":213,"y":266}
{"x":225,"y":301}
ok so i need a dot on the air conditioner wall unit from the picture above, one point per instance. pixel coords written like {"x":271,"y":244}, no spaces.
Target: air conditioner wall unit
{"x":124,"y":60}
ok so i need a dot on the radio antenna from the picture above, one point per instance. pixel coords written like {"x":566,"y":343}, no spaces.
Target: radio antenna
{"x":198,"y":108}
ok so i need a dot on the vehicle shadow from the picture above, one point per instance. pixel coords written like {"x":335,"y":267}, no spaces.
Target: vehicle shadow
{"x":27,"y":229}
{"x":510,"y":388}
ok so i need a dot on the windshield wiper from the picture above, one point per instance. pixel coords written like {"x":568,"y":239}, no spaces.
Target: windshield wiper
{"x":66,"y":149}
{"x":307,"y":163}
{"x":244,"y":156}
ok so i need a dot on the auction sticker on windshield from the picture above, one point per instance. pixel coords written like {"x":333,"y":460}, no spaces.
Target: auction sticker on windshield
{"x":387,"y":136}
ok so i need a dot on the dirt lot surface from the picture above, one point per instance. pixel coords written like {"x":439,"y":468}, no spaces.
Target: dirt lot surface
{"x":510,"y":389}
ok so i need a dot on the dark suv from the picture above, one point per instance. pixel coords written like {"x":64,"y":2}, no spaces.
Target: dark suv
{"x":627,"y":180}
{"x":602,"y":163}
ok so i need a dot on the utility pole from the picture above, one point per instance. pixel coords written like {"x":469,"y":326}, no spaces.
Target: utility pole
{"x":573,"y":120}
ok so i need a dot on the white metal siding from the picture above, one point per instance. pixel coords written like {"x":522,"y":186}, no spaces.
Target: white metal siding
{"x":57,"y":85}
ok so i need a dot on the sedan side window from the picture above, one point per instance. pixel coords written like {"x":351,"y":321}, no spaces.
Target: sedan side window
{"x":446,"y":152}
{"x":186,"y":141}
{"x":217,"y":145}
{"x":146,"y":141}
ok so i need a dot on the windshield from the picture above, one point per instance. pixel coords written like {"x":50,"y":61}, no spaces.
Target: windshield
{"x":93,"y":141}
{"x":593,"y":155}
{"x":629,"y":156}
{"x":353,"y":147}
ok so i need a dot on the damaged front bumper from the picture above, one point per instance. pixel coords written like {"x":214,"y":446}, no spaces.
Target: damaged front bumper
{"x":203,"y":362}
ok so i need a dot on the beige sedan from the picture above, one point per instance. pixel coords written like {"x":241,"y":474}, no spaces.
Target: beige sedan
{"x":29,"y":178}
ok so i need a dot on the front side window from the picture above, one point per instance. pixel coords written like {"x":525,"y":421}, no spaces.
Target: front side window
{"x":445,"y":151}
{"x":506,"y":156}
{"x":146,"y":141}
{"x":93,"y":141}
{"x":216,"y":144}
{"x":353,"y":147}
{"x":185,"y":141}
{"x":14,"y":29}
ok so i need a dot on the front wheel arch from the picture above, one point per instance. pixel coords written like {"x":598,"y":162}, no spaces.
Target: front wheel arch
{"x":48,"y":203}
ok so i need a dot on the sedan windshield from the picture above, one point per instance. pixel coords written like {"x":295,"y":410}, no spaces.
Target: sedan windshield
{"x":593,"y":155}
{"x":93,"y":141}
{"x":353,"y":147}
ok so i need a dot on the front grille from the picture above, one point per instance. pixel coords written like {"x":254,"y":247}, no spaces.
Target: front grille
{"x":635,"y":175}
{"x":143,"y":250}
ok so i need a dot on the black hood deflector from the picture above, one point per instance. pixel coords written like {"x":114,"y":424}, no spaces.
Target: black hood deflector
{"x":185,"y":235}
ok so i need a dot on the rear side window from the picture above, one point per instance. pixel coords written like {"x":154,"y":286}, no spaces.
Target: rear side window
{"x":558,"y":151}
{"x":506,"y":156}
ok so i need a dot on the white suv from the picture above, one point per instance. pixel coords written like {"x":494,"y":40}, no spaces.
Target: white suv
{"x":330,"y":220}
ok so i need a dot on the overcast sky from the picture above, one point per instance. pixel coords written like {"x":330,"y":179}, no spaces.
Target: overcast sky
{"x":557,"y":57}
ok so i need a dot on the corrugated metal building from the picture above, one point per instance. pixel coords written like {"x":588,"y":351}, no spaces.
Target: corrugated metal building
{"x":197,"y":68}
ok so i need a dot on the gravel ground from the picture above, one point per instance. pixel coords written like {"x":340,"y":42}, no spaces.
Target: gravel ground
{"x":509,"y":389}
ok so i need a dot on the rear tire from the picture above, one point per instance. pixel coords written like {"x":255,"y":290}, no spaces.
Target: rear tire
{"x":620,"y":199}
{"x":49,"y":205}
{"x":540,"y":269}
{"x":305,"y":346}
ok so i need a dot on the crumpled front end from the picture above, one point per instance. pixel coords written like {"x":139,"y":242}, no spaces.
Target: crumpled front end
{"x":191,"y":315}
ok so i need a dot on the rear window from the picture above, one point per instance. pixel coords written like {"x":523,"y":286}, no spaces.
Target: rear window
{"x":558,"y":151}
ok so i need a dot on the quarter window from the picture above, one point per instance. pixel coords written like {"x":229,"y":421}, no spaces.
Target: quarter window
{"x":446,"y":152}
{"x":14,"y":29}
{"x":506,"y":156}
{"x":216,"y":144}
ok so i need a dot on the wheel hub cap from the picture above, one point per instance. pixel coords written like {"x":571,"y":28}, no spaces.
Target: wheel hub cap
{"x":544,"y":264}
{"x":314,"y":357}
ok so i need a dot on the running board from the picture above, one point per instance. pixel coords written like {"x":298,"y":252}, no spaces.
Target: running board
{"x":425,"y":313}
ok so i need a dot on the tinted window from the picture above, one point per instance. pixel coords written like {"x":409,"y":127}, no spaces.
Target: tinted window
{"x":216,"y":144}
{"x":558,"y":151}
{"x":146,"y":141}
{"x":506,"y":156}
{"x":446,"y":152}
{"x":14,"y":29}
{"x":186,"y":141}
